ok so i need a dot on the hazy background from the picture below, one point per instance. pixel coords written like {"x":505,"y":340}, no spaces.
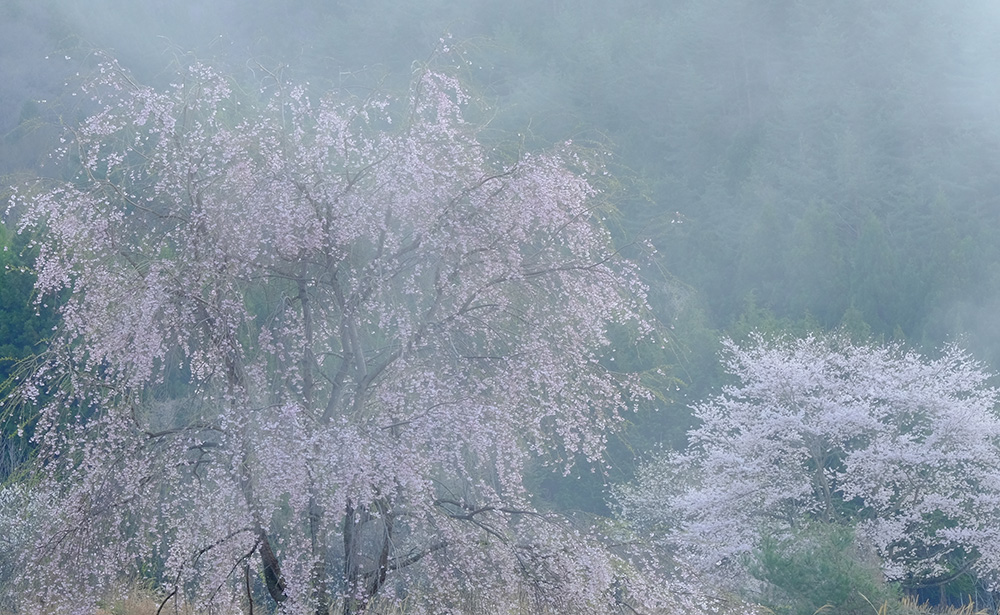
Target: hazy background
{"x":799,"y":165}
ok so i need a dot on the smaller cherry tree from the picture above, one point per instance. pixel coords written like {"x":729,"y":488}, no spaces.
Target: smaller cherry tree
{"x":820,"y":430}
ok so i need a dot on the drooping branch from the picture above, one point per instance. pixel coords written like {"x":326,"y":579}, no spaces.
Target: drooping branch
{"x":470,"y":511}
{"x":414,"y":556}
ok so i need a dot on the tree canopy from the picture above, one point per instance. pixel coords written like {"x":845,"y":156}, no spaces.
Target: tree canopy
{"x":820,"y":430}
{"x":318,"y":337}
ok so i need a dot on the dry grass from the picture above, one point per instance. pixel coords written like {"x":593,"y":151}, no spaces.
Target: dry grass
{"x":910,"y":606}
{"x":143,"y":601}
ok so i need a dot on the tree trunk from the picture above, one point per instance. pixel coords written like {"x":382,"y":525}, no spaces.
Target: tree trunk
{"x":318,"y":537}
{"x":355,"y":600}
{"x":272,"y":570}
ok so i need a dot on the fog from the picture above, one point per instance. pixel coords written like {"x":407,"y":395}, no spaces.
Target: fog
{"x":798,"y":166}
{"x":761,"y":126}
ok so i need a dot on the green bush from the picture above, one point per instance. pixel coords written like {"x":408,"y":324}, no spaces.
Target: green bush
{"x":821,"y":569}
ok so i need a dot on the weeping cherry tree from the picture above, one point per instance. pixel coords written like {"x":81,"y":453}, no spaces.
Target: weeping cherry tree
{"x":308,"y":346}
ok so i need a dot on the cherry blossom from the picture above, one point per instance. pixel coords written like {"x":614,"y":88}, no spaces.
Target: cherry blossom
{"x":308,"y":346}
{"x":903,"y":447}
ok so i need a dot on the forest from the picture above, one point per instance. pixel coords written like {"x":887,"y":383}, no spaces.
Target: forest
{"x":511,"y":307}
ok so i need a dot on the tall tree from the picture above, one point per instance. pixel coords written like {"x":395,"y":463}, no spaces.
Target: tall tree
{"x":375,"y":320}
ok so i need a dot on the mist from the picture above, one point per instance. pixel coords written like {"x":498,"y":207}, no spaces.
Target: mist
{"x":782,"y":136}
{"x":788,"y":167}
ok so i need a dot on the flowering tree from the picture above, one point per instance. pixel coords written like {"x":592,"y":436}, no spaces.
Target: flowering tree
{"x":821,"y":430}
{"x":315,"y":343}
